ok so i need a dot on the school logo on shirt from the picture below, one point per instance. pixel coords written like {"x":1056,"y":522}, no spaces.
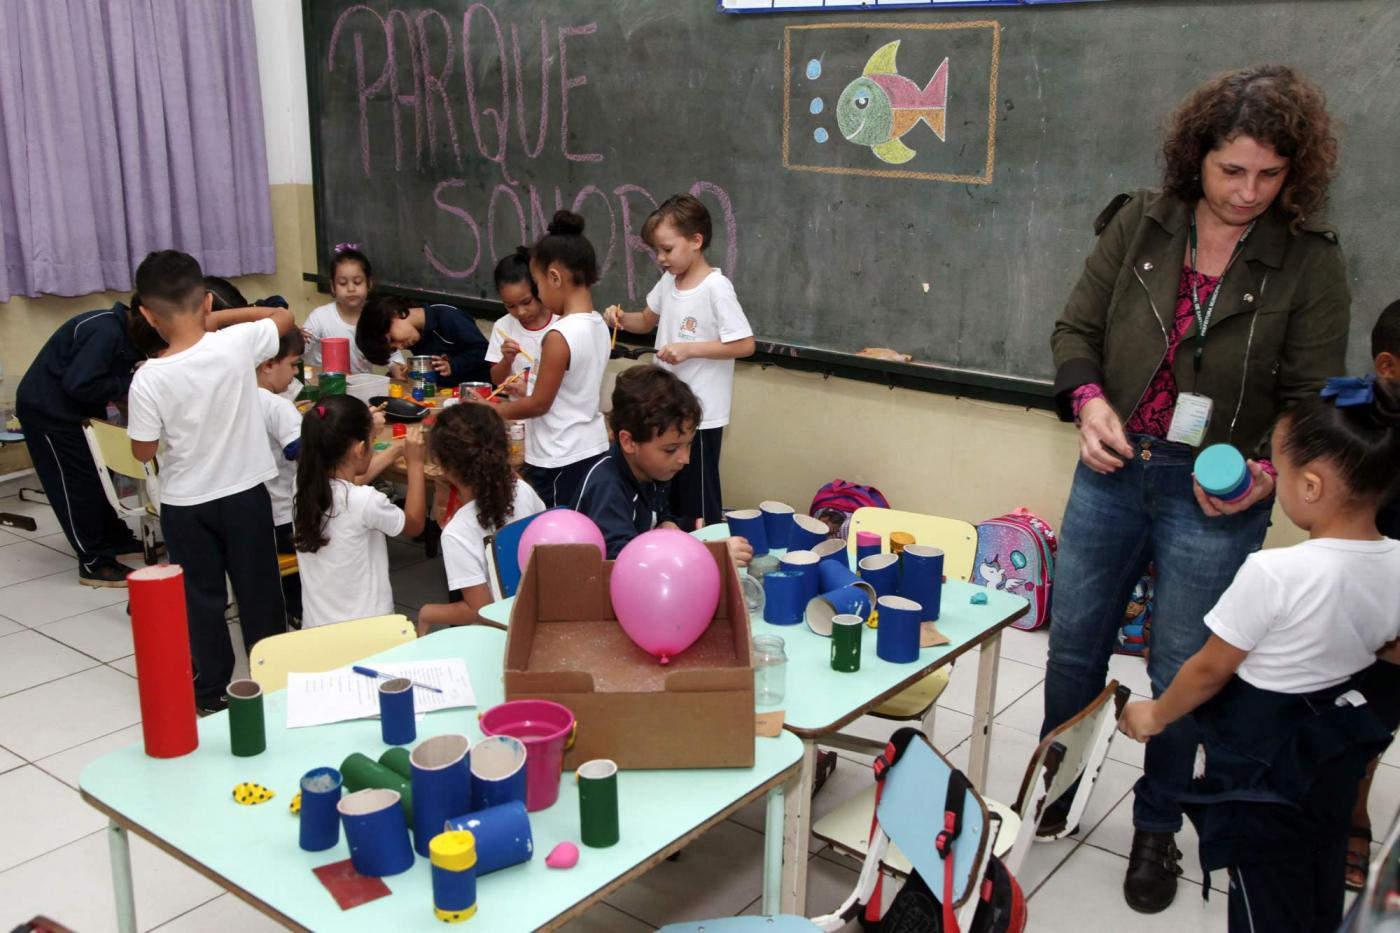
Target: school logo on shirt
{"x":689,"y":327}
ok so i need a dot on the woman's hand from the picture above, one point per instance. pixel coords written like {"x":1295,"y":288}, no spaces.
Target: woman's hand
{"x":1101,"y":437}
{"x":1140,"y":721}
{"x":1262,"y":489}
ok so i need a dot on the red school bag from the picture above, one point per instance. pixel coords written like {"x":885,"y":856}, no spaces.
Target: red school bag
{"x":1016,"y":554}
{"x":838,"y":500}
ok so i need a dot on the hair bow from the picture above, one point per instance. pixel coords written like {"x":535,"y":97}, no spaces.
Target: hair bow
{"x":342,"y":247}
{"x":320,"y":411}
{"x":1346,"y":391}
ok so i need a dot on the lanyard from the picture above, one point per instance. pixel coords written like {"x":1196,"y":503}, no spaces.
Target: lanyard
{"x":1203,"y":315}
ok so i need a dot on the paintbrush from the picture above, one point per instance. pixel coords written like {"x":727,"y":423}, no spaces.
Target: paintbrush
{"x":519,"y":349}
{"x":504,"y":384}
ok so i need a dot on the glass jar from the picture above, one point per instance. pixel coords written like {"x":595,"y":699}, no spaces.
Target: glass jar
{"x":769,"y":671}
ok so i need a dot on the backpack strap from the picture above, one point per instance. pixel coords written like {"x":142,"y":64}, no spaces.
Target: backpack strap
{"x":894,"y":750}
{"x":958,"y":786}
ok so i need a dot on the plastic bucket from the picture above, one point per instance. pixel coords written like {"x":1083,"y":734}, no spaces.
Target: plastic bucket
{"x":547,"y":729}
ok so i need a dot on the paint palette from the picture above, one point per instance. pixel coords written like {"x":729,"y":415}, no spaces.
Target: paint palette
{"x":400,"y":410}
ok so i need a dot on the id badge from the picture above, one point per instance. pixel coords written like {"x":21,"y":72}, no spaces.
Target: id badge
{"x":1190,"y":419}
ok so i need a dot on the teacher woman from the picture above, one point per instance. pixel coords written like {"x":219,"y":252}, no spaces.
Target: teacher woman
{"x":1204,"y":311}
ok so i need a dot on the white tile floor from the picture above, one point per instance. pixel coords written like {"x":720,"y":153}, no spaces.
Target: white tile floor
{"x":68,"y":696}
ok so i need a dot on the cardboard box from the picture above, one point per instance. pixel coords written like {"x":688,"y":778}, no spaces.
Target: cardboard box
{"x":566,"y":645}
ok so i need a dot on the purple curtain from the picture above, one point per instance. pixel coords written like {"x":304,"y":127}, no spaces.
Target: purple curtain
{"x":128,"y":126}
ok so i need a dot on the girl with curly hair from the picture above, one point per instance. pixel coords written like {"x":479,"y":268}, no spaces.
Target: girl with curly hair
{"x":1205,"y":310}
{"x":468,"y":443}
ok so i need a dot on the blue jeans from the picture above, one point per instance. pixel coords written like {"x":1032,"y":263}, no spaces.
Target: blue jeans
{"x":1114,"y":526}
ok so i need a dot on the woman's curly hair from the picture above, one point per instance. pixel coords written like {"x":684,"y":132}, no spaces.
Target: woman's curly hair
{"x":469,"y":442}
{"x":1271,"y":103}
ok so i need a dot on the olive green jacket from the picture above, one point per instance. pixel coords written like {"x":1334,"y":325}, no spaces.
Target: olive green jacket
{"x":1278,"y":331}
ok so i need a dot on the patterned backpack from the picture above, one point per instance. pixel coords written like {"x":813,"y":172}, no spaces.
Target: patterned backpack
{"x":1016,"y":554}
{"x":838,"y":500}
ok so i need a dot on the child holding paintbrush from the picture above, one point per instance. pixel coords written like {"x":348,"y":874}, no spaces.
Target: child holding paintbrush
{"x":516,"y":337}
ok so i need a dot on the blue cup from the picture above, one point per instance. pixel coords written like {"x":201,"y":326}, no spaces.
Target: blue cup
{"x":498,"y":772}
{"x":376,"y":832}
{"x":320,"y":823}
{"x":442,"y":785}
{"x":881,"y":571}
{"x":855,"y":600}
{"x":783,"y":597}
{"x":396,"y":724}
{"x":804,"y":563}
{"x":748,"y":523}
{"x":921,"y":579}
{"x":806,"y":533}
{"x":897,"y":638}
{"x":777,"y":521}
{"x":502,"y":836}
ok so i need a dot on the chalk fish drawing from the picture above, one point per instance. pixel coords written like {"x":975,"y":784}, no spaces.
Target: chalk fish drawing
{"x":881,"y":106}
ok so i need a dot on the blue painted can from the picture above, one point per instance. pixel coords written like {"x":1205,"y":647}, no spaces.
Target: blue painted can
{"x":748,"y":523}
{"x":805,"y":564}
{"x":784,"y":597}
{"x":442,"y":785}
{"x":320,"y":823}
{"x":376,"y":832}
{"x":777,"y":521}
{"x":502,"y":836}
{"x":498,"y":772}
{"x":806,"y":533}
{"x":396,"y":724}
{"x":855,"y":600}
{"x":897,"y":638}
{"x":1223,"y":473}
{"x":881,"y":571}
{"x":921,"y":579}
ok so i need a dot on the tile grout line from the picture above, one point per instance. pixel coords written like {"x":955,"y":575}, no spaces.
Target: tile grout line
{"x":186,"y":913}
{"x":54,"y":849}
{"x":38,"y":762}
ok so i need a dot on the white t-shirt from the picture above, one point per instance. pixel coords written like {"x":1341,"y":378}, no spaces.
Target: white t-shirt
{"x":529,"y":341}
{"x":325,"y":322}
{"x":464,"y":540}
{"x":709,"y":311}
{"x":1313,"y":614}
{"x":573,"y":427}
{"x":204,"y":402}
{"x":282,"y":423}
{"x":348,"y":577}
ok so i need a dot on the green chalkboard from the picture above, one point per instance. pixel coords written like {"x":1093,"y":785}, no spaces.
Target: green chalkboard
{"x":946,"y":219}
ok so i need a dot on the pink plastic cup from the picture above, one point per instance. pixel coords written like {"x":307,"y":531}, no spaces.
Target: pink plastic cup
{"x":547,"y":729}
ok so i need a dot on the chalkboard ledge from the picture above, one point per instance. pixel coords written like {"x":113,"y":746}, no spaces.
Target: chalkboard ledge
{"x":923,"y":377}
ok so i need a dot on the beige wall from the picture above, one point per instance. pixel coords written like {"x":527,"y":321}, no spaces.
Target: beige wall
{"x":25,"y":323}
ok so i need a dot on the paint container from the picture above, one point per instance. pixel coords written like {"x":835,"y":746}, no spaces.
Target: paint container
{"x":395,"y":390}
{"x":846,"y":634}
{"x":1223,"y":473}
{"x":442,"y":785}
{"x":899,"y":540}
{"x":331,"y":384}
{"x":335,"y":355}
{"x":246,"y":731}
{"x":833,"y":549}
{"x":748,"y":524}
{"x":547,"y":729}
{"x":421,"y":375}
{"x":361,"y":772}
{"x":396,"y":711}
{"x":921,"y":578}
{"x":806,"y":533}
{"x":848,"y":600}
{"x":597,"y":803}
{"x":868,"y":543}
{"x":897,"y":638}
{"x":784,"y":597}
{"x":881,"y":571}
{"x":805,"y":564}
{"x":453,"y":858}
{"x":479,"y":389}
{"x":777,"y":522}
{"x":498,"y":772}
{"x":376,"y":832}
{"x":418,"y":393}
{"x":502,"y":836}
{"x":319,"y":819}
{"x":164,"y":672}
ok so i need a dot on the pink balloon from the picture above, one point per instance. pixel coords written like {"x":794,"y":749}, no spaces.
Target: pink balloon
{"x":559,"y":526}
{"x":665,"y":587}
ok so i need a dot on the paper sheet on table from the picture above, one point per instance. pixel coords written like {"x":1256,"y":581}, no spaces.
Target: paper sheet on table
{"x":341,"y":694}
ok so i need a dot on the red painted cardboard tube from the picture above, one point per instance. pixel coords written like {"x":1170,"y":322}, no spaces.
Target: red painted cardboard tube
{"x":164,"y":672}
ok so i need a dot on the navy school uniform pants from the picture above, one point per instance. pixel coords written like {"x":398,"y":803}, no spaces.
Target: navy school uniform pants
{"x":70,"y":479}
{"x":291,"y":585}
{"x":558,"y":487}
{"x":233,"y":535}
{"x":695,"y":491}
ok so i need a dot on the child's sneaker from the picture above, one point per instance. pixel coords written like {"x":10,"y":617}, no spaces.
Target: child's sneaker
{"x":103,"y":572}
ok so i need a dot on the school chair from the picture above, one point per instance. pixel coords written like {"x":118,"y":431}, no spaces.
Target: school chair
{"x":1074,"y":751}
{"x":111,"y":451}
{"x":324,"y":648}
{"x":502,"y":558}
{"x":913,"y":796}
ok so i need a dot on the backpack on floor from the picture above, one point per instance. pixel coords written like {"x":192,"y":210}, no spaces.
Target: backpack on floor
{"x":838,"y":500}
{"x":1016,"y":554}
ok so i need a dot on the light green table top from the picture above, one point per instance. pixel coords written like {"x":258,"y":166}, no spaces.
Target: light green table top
{"x":186,"y":805}
{"x":819,"y":700}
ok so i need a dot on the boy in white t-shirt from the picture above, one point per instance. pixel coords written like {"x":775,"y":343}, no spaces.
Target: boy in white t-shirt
{"x":1275,"y":690}
{"x":700,"y":331}
{"x":201,"y":397}
{"x":282,"y":423}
